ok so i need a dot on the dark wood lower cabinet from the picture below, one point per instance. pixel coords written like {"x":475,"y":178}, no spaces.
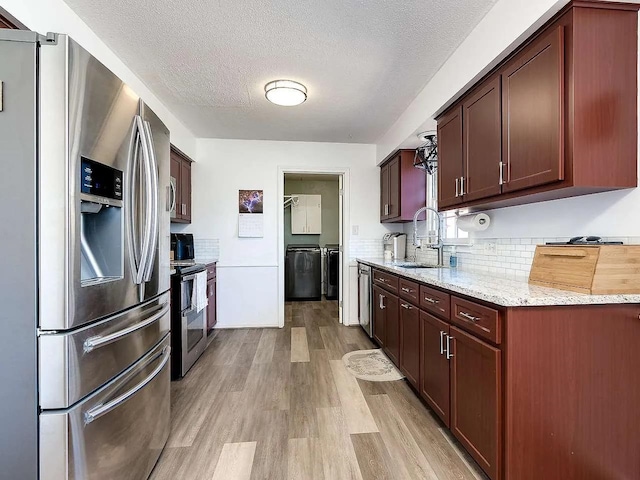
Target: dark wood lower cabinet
{"x":211,"y":308}
{"x":410,"y":342}
{"x":434,"y":372}
{"x":476,"y":400}
{"x":379,"y":316}
{"x":392,"y":327}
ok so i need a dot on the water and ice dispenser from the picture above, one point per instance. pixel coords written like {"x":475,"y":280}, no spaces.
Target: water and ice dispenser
{"x":101,"y":223}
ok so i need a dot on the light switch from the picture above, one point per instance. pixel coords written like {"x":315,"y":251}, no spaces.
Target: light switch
{"x":355,"y":229}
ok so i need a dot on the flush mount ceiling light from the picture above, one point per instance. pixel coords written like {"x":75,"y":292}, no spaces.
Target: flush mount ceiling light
{"x":285,"y":92}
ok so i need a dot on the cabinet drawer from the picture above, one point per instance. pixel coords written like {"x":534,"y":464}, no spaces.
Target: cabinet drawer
{"x":390,"y":282}
{"x":435,"y":301}
{"x":211,"y":271}
{"x":409,"y":291}
{"x":483,"y":321}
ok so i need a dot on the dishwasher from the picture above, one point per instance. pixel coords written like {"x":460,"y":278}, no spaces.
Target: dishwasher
{"x":303,"y":272}
{"x":365,"y":293}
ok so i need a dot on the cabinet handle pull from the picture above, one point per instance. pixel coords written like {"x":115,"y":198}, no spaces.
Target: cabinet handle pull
{"x":404,"y":289}
{"x":466,"y":316}
{"x":461,"y":186}
{"x":386,"y":209}
{"x":500,"y":167}
{"x":442,"y":342}
{"x":457,"y":187}
{"x":430,"y":300}
{"x":382,"y":306}
{"x":448,"y":353}
{"x":406,"y":306}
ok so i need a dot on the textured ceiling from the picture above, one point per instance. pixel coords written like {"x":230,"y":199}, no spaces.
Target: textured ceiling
{"x":363,"y":61}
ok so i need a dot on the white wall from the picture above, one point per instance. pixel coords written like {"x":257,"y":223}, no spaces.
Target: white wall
{"x":248,"y":273}
{"x":45,"y":16}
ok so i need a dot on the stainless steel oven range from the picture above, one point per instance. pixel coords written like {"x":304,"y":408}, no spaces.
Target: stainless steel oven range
{"x":188,"y":325}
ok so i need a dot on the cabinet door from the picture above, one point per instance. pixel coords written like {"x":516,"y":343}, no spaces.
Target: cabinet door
{"x":392,"y":328}
{"x":434,"y":375}
{"x":533,"y":113}
{"x":394,"y":188}
{"x":410,"y":342}
{"x":450,"y":158}
{"x":476,"y":393}
{"x":379,"y":315}
{"x":314,"y":214}
{"x":384,"y":192}
{"x":481,"y":115}
{"x":176,"y":170}
{"x":185,"y":190}
{"x":299,"y":216}
{"x":211,"y":308}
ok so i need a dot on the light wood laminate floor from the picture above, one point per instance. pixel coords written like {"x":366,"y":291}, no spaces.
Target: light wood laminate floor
{"x":279,"y":404}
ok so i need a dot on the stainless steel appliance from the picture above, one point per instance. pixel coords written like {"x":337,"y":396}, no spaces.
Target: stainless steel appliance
{"x":333,"y":271}
{"x":365,"y":294}
{"x":303,"y":270}
{"x":85,"y":290}
{"x":188,"y":325}
{"x":182,"y":246}
{"x":396,"y":243}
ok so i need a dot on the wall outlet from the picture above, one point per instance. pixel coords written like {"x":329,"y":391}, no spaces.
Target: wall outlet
{"x":491,"y":248}
{"x":355,"y":229}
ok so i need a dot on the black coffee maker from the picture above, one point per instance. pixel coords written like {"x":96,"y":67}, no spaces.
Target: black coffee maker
{"x":182,"y":246}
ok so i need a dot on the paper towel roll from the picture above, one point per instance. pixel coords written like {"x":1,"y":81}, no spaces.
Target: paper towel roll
{"x":474,"y":223}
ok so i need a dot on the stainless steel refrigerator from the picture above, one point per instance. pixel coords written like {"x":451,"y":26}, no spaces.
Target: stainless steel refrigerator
{"x":84,"y":372}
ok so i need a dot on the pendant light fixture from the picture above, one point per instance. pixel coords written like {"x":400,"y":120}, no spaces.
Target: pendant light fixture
{"x":285,"y":92}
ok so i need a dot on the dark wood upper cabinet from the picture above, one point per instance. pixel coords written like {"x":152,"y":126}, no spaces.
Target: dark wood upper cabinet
{"x":402,"y":187}
{"x":379,"y":315}
{"x":8,"y":21}
{"x":185,"y":187}
{"x":450,"y":154}
{"x":476,"y":400}
{"x":410,"y":342}
{"x":533,"y":110}
{"x":181,"y":186}
{"x":482,"y":162}
{"x":560,"y":113}
{"x":434,"y":373}
{"x":392,"y":327}
{"x":384,"y":193}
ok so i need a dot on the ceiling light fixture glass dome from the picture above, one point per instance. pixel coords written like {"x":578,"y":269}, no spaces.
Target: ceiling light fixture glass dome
{"x":285,"y":92}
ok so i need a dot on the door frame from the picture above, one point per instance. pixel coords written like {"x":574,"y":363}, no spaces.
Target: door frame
{"x":343,"y":293}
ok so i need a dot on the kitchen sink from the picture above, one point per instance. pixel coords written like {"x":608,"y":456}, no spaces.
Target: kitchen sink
{"x":415,"y":266}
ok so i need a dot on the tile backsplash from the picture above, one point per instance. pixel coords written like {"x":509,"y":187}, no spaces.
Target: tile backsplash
{"x":365,"y":247}
{"x":206,"y":248}
{"x":503,"y":256}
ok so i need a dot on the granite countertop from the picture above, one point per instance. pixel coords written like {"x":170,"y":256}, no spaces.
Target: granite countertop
{"x":504,"y":290}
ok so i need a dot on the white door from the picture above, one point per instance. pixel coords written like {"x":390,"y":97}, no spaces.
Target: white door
{"x":314,"y":214}
{"x":299,"y":216}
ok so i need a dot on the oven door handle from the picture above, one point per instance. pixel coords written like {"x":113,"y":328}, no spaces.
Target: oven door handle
{"x":98,"y":341}
{"x":104,"y":408}
{"x":188,"y":277}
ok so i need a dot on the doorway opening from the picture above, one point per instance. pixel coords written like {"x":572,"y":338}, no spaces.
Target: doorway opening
{"x":311,"y":240}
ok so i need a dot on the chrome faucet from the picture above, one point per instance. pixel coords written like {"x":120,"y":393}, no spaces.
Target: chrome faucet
{"x":439,"y":245}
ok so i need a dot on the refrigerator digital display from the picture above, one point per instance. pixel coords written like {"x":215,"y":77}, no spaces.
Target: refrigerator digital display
{"x":99,"y":179}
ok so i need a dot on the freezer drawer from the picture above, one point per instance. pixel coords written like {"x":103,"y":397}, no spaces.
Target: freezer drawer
{"x":118,"y":432}
{"x":74,"y":364}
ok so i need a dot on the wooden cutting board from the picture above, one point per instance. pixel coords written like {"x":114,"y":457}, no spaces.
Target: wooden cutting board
{"x":594,"y":269}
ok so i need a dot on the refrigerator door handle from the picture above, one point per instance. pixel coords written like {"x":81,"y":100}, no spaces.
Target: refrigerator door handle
{"x":104,"y":408}
{"x":154,"y":210}
{"x":136,"y":239}
{"x":98,"y":341}
{"x":149,"y":200}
